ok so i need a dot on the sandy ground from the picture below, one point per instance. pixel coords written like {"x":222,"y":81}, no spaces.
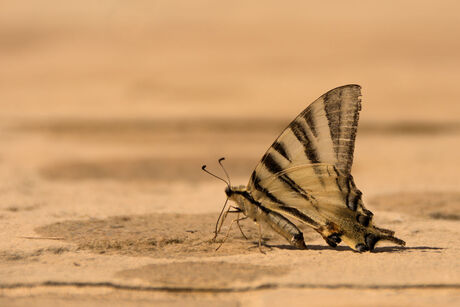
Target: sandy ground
{"x":108,"y":110}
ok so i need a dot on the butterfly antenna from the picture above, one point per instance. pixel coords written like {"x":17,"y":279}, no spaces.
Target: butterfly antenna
{"x":215,"y":176}
{"x":221,"y":218}
{"x":225,"y":171}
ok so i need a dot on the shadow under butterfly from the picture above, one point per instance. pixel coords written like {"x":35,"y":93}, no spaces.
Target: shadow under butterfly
{"x":305,"y":175}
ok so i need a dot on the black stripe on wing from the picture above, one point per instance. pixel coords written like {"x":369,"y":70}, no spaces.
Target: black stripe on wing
{"x":332,"y":108}
{"x":275,"y":168}
{"x":299,"y":215}
{"x":280,"y":148}
{"x":256,"y":184}
{"x":295,"y":187}
{"x":342,"y":106}
{"x":304,"y":139}
{"x":354,"y":195}
{"x":271,"y":164}
{"x":311,"y":123}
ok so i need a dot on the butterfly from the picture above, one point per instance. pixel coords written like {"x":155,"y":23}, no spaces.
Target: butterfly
{"x":305,"y":176}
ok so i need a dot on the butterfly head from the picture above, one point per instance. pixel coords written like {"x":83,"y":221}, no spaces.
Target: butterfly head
{"x":228,"y":191}
{"x":239,"y":195}
{"x":231,"y":191}
{"x":235,"y":193}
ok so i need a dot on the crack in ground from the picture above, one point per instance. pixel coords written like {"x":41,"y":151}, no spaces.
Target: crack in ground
{"x":267,"y":286}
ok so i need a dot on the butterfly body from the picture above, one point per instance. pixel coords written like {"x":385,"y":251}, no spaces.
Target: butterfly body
{"x":256,"y":211}
{"x":305,"y":175}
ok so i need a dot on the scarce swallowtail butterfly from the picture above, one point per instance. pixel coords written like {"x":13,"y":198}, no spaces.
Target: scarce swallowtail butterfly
{"x":305,"y":176}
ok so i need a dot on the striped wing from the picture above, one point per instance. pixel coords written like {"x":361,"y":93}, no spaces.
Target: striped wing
{"x":320,"y":196}
{"x":323,"y":133}
{"x":313,"y":193}
{"x":306,"y":172}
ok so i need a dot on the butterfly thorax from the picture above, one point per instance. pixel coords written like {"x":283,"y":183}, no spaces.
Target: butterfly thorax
{"x":244,"y":200}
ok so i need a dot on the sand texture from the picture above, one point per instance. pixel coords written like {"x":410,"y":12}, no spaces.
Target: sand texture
{"x":109,"y":109}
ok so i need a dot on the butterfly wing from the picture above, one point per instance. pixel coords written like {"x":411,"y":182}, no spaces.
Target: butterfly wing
{"x":323,"y":133}
{"x":306,"y":172}
{"x":320,"y":196}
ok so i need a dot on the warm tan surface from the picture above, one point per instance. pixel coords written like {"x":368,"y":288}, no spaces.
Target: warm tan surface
{"x":108,"y":110}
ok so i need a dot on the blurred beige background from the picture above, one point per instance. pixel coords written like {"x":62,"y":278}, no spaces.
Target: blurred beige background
{"x":109,"y":108}
{"x":178,"y":76}
{"x":95,"y":59}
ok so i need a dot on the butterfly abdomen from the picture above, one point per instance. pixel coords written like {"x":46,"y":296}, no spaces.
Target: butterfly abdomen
{"x":256,"y":211}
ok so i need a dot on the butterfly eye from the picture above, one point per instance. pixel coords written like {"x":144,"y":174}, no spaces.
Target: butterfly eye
{"x":228,"y":191}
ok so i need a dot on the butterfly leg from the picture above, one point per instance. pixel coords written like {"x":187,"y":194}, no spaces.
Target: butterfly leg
{"x":238,"y":219}
{"x":239,"y":226}
{"x":220,"y":223}
{"x":260,"y":239}
{"x":228,"y":231}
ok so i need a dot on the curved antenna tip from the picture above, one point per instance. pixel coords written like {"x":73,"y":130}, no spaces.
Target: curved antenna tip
{"x":206,"y":171}
{"x":226,"y":174}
